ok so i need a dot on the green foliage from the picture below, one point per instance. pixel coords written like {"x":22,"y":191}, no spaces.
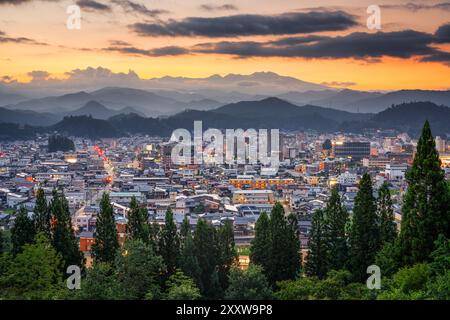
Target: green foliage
{"x":316,"y":264}
{"x":250,"y":284}
{"x":207,"y":255}
{"x":426,"y":205}
{"x":100,"y":283}
{"x":181,"y":287}
{"x":364,"y":233}
{"x":169,"y":243}
{"x":260,"y":249}
{"x":336,"y":286}
{"x":41,"y":213}
{"x":137,"y":226}
{"x":138,"y":269}
{"x":34,"y":273}
{"x":227,"y":252}
{"x":409,"y":283}
{"x":63,"y":237}
{"x":388,"y":229}
{"x":336,"y":219}
{"x":23,"y":231}
{"x":106,"y":244}
{"x":189,"y":262}
{"x":388,"y":258}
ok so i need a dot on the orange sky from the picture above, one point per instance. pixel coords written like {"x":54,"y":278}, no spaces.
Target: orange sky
{"x":45,"y":22}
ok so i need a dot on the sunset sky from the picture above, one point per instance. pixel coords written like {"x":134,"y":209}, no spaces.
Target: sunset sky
{"x":320,"y":41}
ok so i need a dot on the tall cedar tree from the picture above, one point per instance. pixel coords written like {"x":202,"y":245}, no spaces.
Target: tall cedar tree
{"x":106,"y":243}
{"x":169,"y":244}
{"x":63,"y":236}
{"x":188,"y":259}
{"x":294,"y":258}
{"x":316,"y":262}
{"x":336,"y":219}
{"x":284,"y":259}
{"x":206,"y":251}
{"x":1,"y":242}
{"x":228,"y":253}
{"x":185,"y":231}
{"x":261,"y":243}
{"x":364,"y":234}
{"x":137,"y":226}
{"x":426,"y":205}
{"x":22,"y":232}
{"x":41,"y":214}
{"x":388,"y":230}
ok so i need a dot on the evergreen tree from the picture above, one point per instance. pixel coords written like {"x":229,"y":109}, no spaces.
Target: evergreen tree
{"x":106,"y":244}
{"x":185,"y":230}
{"x":316,"y":262}
{"x":364,"y":234}
{"x":137,"y":226}
{"x":63,"y":237}
{"x":261,"y":244}
{"x":169,"y":243}
{"x":336,"y":219}
{"x":294,"y":256}
{"x":41,"y":214}
{"x":1,"y":242}
{"x":23,"y":231}
{"x":189,"y":262}
{"x":388,"y":230}
{"x":284,"y":259}
{"x":207,"y":254}
{"x":426,"y":205}
{"x":228,"y":254}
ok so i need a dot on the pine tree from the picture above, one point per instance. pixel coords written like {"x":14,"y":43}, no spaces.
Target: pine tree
{"x":294,"y":257}
{"x":261,"y":244}
{"x":1,"y":242}
{"x":228,"y":253}
{"x":364,"y":234}
{"x":388,"y":230}
{"x":41,"y":214}
{"x":169,"y":243}
{"x":336,"y":219}
{"x":63,"y":237}
{"x":316,"y":262}
{"x":426,"y":205}
{"x":23,"y":231}
{"x":106,"y":244}
{"x":137,"y":226}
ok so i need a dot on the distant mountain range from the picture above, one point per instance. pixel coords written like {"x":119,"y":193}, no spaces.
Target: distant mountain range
{"x":159,"y":102}
{"x":266,"y":113}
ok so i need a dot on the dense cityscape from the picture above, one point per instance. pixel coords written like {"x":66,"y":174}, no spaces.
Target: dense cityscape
{"x":156,"y":205}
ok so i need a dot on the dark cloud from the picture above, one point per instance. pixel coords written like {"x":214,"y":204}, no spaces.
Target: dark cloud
{"x":442,"y":35}
{"x":93,"y":5}
{"x":223,"y":7}
{"x":419,"y":6}
{"x":119,"y":43}
{"x":137,"y":8}
{"x":360,"y":45}
{"x":22,"y":40}
{"x":439,"y":56}
{"x":249,"y":25}
{"x":158,"y":52}
{"x":19,"y":2}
